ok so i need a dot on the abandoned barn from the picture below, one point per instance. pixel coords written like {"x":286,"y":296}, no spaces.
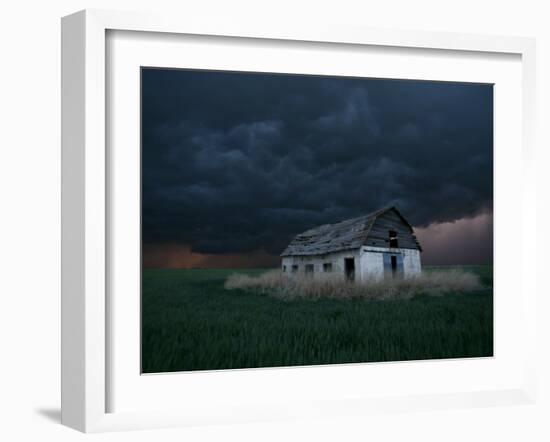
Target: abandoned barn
{"x":372,"y":246}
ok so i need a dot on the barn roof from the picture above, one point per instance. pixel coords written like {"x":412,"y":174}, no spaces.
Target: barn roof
{"x":345,"y":235}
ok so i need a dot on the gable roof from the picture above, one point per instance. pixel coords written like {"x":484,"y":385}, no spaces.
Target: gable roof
{"x":345,"y":235}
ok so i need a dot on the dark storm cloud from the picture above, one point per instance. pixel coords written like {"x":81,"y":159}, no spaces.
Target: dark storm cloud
{"x":236,"y":162}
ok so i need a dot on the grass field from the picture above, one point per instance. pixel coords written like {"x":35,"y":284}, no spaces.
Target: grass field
{"x":190,"y":322}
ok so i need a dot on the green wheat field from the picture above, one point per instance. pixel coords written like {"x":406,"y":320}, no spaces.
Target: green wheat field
{"x":191,"y":322}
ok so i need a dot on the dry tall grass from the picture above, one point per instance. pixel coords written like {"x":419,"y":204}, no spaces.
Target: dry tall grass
{"x":434,"y":283}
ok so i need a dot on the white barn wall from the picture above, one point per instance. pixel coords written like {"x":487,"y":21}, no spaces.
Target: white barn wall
{"x":372,"y":261}
{"x":336,"y":259}
{"x":371,"y":265}
{"x":411,"y":261}
{"x":369,"y":262}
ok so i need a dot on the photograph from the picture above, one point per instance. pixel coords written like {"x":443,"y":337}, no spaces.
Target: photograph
{"x":302,"y":220}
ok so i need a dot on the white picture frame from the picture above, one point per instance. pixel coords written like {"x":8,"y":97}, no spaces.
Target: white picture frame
{"x":86,"y":203}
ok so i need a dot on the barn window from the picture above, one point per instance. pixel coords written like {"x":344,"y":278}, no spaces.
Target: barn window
{"x":327,"y":267}
{"x":284,"y":268}
{"x":294,"y":268}
{"x":393,"y":238}
{"x":309,"y":269}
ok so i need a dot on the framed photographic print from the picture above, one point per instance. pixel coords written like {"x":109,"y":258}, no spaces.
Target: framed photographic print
{"x":273,"y":209}
{"x":271,"y":223}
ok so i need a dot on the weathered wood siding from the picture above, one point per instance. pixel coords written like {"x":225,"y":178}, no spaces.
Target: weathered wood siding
{"x":378,"y":235}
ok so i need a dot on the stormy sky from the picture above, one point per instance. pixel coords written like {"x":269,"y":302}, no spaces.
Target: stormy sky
{"x":235,"y":164}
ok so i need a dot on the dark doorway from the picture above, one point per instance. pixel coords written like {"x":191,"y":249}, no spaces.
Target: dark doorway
{"x":349,"y":266}
{"x":393,"y":264}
